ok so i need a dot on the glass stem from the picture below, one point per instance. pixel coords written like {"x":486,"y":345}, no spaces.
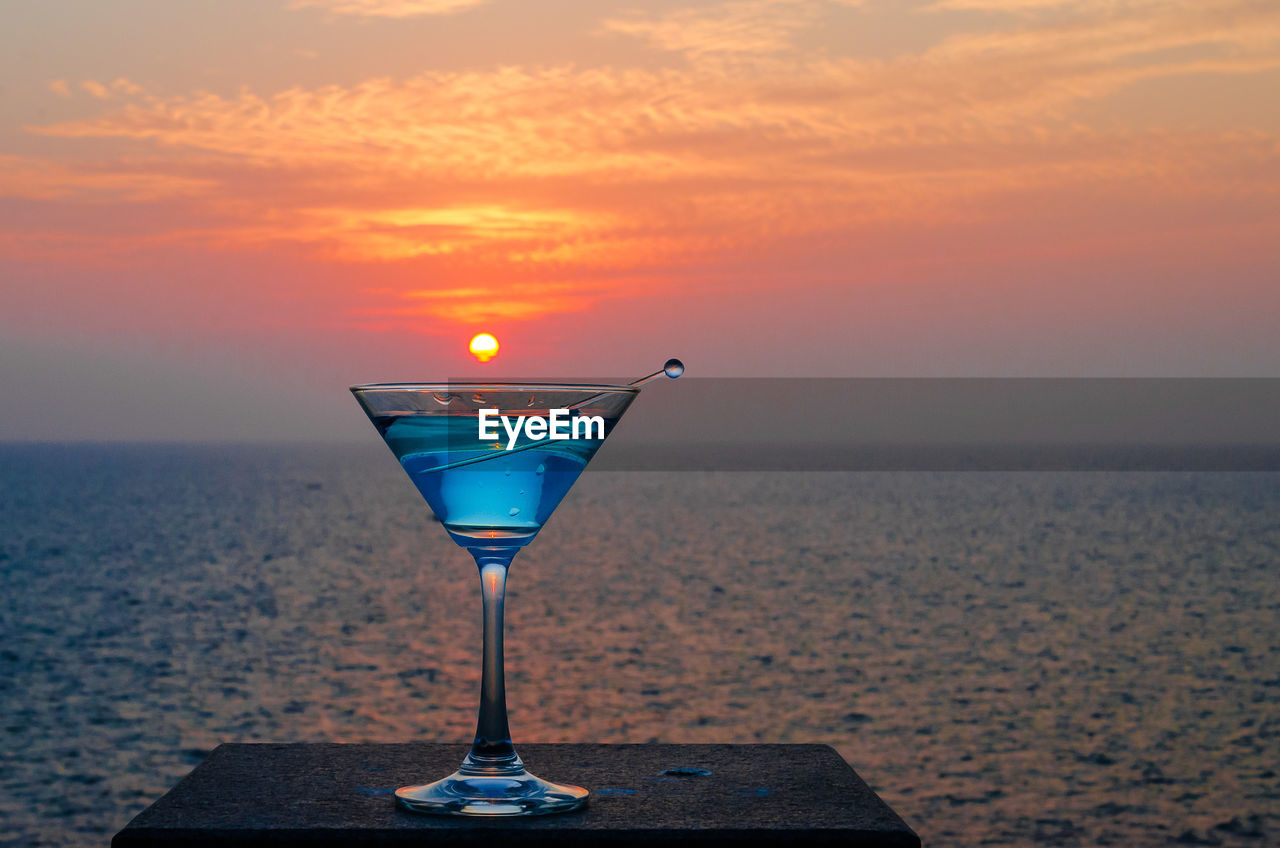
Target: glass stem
{"x":492,"y":751}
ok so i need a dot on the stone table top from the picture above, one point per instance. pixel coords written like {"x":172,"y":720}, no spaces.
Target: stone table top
{"x":341,"y":794}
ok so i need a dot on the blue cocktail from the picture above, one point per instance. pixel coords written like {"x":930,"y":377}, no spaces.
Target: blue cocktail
{"x":484,"y":490}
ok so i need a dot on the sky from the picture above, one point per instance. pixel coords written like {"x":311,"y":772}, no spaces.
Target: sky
{"x":214,"y":217}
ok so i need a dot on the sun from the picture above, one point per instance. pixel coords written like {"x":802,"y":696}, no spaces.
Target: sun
{"x":484,"y":347}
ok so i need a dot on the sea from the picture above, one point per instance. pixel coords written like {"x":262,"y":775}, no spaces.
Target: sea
{"x":1012,"y":658}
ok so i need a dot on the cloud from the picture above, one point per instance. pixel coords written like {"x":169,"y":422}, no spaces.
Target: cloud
{"x":1019,"y":6}
{"x":388,"y":8}
{"x":742,"y":26}
{"x":96,"y":89}
{"x":403,"y":233}
{"x":33,"y":178}
{"x":479,"y":304}
{"x":524,"y":176}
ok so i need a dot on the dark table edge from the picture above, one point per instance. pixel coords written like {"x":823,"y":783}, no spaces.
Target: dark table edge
{"x":128,"y":837}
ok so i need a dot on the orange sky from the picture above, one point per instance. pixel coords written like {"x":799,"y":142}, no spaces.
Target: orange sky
{"x":257,"y":202}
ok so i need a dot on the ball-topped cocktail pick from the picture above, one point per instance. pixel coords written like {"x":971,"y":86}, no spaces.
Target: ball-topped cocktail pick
{"x":672,"y":368}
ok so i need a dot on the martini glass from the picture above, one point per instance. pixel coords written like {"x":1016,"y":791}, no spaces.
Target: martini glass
{"x":493,"y":495}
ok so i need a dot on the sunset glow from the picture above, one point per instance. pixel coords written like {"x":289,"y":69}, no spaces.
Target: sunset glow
{"x":340,"y":187}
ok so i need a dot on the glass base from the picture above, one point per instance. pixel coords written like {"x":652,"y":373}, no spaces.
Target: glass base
{"x":465,"y":793}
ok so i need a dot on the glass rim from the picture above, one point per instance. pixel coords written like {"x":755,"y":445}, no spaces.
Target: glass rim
{"x":538,"y":385}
